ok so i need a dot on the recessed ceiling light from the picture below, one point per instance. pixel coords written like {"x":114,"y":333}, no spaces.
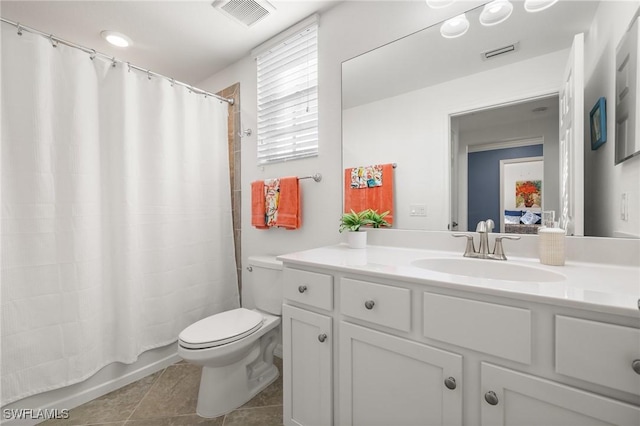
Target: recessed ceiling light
{"x":455,"y":27}
{"x":495,"y":12}
{"x":116,"y":38}
{"x":538,"y":5}
{"x":439,"y":4}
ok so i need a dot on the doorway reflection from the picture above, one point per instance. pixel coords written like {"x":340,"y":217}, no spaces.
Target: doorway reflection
{"x":488,"y":141}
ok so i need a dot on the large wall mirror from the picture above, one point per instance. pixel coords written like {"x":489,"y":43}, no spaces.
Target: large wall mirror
{"x":475,"y":123}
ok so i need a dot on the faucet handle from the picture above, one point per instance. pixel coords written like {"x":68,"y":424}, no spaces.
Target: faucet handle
{"x":470,"y":249}
{"x":490,"y":225}
{"x":507,"y":237}
{"x":498,"y":250}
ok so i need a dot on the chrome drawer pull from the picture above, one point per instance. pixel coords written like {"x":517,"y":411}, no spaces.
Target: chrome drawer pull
{"x":322,"y":337}
{"x":636,"y":365}
{"x":369,"y":304}
{"x":491,"y":398}
{"x":302,"y":288}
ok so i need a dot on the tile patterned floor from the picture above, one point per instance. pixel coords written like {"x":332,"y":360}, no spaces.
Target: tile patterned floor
{"x":168,"y":398}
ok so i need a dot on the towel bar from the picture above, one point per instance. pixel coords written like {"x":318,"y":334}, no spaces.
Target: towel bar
{"x":317,"y":177}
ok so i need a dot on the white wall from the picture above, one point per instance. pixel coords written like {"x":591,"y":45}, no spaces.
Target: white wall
{"x":604,"y":181}
{"x":412,"y":130}
{"x":378,"y":22}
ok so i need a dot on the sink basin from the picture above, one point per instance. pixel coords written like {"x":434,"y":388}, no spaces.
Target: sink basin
{"x":488,"y":269}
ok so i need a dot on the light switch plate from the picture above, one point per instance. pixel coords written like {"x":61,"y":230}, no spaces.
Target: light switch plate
{"x":418,"y":210}
{"x":624,"y":206}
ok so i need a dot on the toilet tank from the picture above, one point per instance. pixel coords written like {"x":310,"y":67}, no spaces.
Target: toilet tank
{"x":266,"y":282}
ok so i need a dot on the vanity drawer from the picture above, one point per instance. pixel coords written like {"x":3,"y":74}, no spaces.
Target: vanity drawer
{"x":377,"y":303}
{"x":598,"y":353}
{"x":310,"y":288}
{"x":494,"y":329}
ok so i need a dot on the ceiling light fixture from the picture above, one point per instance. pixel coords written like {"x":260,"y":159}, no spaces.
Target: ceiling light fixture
{"x":439,"y":4}
{"x":538,"y":5}
{"x":455,"y":27}
{"x":496,"y":12}
{"x":116,"y":38}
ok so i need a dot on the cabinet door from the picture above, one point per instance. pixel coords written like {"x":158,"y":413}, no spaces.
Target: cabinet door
{"x":307,"y":348}
{"x":386,"y":380}
{"x":521,"y":399}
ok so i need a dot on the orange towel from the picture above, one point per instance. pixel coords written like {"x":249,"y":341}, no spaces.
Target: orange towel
{"x":379,"y":198}
{"x":289,"y":212}
{"x":257,"y":205}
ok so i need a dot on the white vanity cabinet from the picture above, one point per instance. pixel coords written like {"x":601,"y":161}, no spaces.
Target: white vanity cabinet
{"x":597,"y":352}
{"x":407,"y":351}
{"x":514,"y":398}
{"x":386,"y":380}
{"x":380,"y":378}
{"x":307,"y":349}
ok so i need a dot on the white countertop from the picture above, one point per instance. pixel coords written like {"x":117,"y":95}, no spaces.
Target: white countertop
{"x":596,"y":287}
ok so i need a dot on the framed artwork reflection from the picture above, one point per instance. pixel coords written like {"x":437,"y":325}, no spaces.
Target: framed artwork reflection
{"x":598,"y":120}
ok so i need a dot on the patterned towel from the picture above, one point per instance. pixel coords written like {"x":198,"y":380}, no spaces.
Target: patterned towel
{"x":271,"y":201}
{"x":366,"y":176}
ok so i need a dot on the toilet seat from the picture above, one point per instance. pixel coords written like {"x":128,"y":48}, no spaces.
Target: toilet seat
{"x":220,"y":329}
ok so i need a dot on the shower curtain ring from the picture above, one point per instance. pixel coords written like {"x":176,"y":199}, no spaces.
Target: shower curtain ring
{"x":54,"y":43}
{"x":128,"y":66}
{"x":92,"y":56}
{"x":19,"y":29}
{"x":113,"y":62}
{"x":149,"y":74}
{"x":173,"y":81}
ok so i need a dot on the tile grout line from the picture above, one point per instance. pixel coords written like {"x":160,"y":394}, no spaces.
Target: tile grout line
{"x":255,"y":408}
{"x":224,"y":420}
{"x":146,"y":393}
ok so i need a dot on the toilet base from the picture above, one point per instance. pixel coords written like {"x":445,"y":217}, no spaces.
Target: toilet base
{"x":222,"y":390}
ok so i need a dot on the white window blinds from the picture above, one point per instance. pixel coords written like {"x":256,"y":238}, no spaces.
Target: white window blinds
{"x":288,"y":98}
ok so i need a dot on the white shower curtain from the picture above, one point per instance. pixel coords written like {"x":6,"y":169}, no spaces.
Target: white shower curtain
{"x":116,"y":214}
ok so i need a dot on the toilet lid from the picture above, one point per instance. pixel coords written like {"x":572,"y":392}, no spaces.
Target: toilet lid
{"x":220,"y":329}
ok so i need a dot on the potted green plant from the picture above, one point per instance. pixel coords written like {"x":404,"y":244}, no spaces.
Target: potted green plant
{"x":375,"y":219}
{"x":352,"y":222}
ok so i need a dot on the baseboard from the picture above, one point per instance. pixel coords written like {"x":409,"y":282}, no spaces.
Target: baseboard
{"x":108,"y":379}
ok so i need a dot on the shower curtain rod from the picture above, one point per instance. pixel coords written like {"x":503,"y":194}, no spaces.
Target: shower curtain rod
{"x":93,"y":53}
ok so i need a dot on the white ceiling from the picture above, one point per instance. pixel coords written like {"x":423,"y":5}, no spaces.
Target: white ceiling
{"x":185,"y":40}
{"x":522,"y":112}
{"x":374,"y":76}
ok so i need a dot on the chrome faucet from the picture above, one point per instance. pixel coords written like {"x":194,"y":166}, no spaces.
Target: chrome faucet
{"x":483,"y":228}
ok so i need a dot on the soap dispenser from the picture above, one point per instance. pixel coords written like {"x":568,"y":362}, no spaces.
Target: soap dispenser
{"x":551,"y":241}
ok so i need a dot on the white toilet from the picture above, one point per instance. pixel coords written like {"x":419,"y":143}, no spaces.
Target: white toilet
{"x":235,"y":348}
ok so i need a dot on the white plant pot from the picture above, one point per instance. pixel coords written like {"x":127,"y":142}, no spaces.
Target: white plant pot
{"x":357,"y":239}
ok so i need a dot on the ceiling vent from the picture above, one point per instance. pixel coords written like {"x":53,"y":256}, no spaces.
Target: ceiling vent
{"x":490,"y":54}
{"x":245,"y":12}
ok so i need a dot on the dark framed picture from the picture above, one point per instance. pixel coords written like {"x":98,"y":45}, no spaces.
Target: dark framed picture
{"x":598,"y":119}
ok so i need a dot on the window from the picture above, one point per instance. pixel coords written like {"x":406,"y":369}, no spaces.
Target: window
{"x":288,"y":95}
